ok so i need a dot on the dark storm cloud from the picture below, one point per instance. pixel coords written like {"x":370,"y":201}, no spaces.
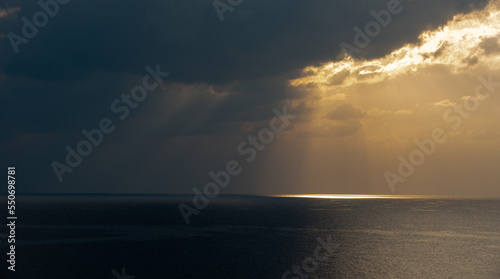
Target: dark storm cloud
{"x":260,"y":38}
{"x":93,"y":51}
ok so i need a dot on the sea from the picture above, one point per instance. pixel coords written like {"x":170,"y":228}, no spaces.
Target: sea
{"x":294,"y":237}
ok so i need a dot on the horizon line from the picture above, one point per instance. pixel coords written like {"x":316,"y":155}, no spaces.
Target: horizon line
{"x":311,"y":196}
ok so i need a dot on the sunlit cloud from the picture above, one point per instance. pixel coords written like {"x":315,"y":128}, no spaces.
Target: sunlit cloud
{"x":444,"y":103}
{"x":466,"y":41}
{"x":404,"y":112}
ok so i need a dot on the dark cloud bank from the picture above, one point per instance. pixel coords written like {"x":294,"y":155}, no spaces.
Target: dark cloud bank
{"x":92,"y":51}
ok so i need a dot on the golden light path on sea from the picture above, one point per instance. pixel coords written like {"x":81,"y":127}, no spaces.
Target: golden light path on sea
{"x":351,"y":196}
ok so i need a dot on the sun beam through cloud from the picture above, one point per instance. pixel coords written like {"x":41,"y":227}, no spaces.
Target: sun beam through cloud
{"x":368,"y":112}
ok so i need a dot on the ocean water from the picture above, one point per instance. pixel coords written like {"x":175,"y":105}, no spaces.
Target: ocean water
{"x":145,"y":237}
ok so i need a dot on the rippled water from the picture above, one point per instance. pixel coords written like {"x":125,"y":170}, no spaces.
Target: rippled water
{"x":256,"y":237}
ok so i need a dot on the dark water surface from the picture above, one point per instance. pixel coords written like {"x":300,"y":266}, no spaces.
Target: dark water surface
{"x":86,"y":237}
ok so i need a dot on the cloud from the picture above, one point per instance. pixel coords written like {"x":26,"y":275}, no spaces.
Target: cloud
{"x":347,"y":129}
{"x":349,"y":114}
{"x":444,"y":103}
{"x":225,"y":79}
{"x":458,"y":46}
{"x":338,"y":78}
{"x":345,"y":112}
{"x":190,"y":39}
{"x":440,"y":50}
{"x":404,"y":112}
{"x":490,"y":45}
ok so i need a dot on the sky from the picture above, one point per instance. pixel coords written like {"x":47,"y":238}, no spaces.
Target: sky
{"x":410,"y":107}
